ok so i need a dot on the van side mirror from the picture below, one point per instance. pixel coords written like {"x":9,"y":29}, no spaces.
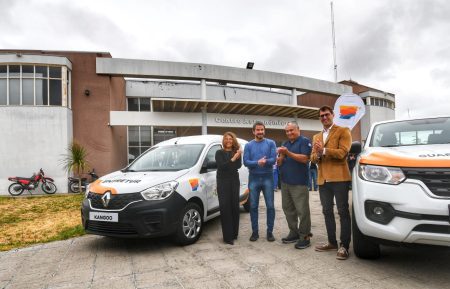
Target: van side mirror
{"x":211,"y":165}
{"x":355,"y":148}
{"x":208,"y":165}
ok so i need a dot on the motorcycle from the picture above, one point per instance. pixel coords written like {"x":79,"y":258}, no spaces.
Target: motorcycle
{"x":21,"y":183}
{"x":74,"y":182}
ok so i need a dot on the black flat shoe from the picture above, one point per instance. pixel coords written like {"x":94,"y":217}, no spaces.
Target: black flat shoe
{"x":229,"y":242}
{"x":254,"y":237}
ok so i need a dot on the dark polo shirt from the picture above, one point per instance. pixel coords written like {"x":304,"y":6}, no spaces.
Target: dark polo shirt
{"x":291,"y":171}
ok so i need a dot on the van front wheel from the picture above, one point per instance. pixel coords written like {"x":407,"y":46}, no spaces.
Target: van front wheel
{"x":362,"y":246}
{"x":190,"y":225}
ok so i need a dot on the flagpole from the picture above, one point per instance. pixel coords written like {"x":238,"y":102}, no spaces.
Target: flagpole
{"x":333,"y":35}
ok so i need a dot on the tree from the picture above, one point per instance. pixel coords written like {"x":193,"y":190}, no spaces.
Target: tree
{"x":76,"y":160}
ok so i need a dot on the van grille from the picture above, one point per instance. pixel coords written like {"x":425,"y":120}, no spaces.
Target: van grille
{"x":436,"y":179}
{"x":111,"y":228}
{"x":116,"y":202}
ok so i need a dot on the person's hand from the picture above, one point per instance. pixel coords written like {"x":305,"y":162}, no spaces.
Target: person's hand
{"x":318,"y":147}
{"x":237,"y":155}
{"x":282,"y":150}
{"x":262,"y":161}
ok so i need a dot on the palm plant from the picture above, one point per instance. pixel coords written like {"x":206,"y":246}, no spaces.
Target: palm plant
{"x":76,"y":160}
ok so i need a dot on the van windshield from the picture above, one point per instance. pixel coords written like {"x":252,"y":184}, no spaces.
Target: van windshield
{"x":168,"y":158}
{"x":412,"y":132}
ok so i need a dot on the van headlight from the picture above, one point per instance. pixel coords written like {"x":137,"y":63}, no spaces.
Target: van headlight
{"x":379,"y":174}
{"x":86,"y":193}
{"x":160,"y":192}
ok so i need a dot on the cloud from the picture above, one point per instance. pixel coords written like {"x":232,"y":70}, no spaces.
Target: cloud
{"x":60,"y":25}
{"x":441,"y":76}
{"x":367,"y":48}
{"x":397,"y":46}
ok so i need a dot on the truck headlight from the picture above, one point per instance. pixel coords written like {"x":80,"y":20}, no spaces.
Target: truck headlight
{"x":160,"y":192}
{"x":379,"y":174}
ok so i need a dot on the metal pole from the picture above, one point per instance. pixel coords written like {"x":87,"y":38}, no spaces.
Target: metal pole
{"x":204,"y":116}
{"x":333,"y":35}
{"x":294,"y":96}
{"x":204,"y":121}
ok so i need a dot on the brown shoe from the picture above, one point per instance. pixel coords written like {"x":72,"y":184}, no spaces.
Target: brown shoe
{"x":326,"y":247}
{"x":342,"y":253}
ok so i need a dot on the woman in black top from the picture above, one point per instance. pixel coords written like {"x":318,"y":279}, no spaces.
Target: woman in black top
{"x":228,"y":161}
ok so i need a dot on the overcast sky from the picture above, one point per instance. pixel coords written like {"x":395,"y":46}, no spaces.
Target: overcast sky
{"x":400,"y":46}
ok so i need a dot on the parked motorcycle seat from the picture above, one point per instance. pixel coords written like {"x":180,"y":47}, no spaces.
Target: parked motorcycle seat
{"x":25,"y":178}
{"x":76,"y":179}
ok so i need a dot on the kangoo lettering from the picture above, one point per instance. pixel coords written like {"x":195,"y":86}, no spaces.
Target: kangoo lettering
{"x":106,"y":218}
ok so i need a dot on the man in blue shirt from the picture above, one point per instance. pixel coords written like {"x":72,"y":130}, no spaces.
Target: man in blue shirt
{"x":259,"y":158}
{"x":293,"y":162}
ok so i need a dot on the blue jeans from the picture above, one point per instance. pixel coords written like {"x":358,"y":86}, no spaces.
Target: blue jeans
{"x":312,"y":180}
{"x":256,"y":184}
{"x":275,"y":179}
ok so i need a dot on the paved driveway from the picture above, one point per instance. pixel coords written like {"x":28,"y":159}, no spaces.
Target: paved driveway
{"x":100,"y":262}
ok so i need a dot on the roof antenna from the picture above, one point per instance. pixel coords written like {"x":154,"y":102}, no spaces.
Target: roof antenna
{"x":333,"y":35}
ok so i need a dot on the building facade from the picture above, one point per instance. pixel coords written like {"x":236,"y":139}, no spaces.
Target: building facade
{"x":118,"y":108}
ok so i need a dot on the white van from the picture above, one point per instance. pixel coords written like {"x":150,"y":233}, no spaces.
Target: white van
{"x":170,"y":189}
{"x":401,"y":186}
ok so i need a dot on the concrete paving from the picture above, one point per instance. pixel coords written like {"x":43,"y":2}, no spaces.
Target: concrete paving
{"x":101,"y":262}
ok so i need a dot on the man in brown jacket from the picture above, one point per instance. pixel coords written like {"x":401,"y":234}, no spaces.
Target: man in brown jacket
{"x":330,"y":150}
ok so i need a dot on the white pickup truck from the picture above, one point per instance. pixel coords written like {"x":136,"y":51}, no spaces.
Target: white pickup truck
{"x":401,"y":186}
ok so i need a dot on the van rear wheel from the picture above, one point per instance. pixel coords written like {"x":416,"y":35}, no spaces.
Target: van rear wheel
{"x":362,"y":246}
{"x":190,"y":225}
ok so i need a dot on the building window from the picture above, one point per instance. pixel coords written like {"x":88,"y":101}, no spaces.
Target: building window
{"x":138,"y":104}
{"x":381,"y":102}
{"x":139,"y":140}
{"x":32,"y":85}
{"x":133,"y":104}
{"x":162,"y":134}
{"x":144,"y":104}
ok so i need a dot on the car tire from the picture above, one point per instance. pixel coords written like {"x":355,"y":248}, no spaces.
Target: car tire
{"x":190,"y":225}
{"x":363,"y":247}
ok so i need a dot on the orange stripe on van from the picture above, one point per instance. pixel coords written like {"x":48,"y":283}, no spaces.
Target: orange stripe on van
{"x":387,"y":159}
{"x":97,"y":188}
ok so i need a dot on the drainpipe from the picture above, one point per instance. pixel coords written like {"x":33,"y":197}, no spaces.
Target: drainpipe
{"x":204,"y":116}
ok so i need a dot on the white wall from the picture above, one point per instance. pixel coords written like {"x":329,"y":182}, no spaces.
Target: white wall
{"x":166,"y":89}
{"x":34,"y":137}
{"x":374,"y":114}
{"x":213,"y":120}
{"x":197,"y":71}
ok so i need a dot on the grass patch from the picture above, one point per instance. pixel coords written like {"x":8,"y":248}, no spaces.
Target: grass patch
{"x":39,"y":219}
